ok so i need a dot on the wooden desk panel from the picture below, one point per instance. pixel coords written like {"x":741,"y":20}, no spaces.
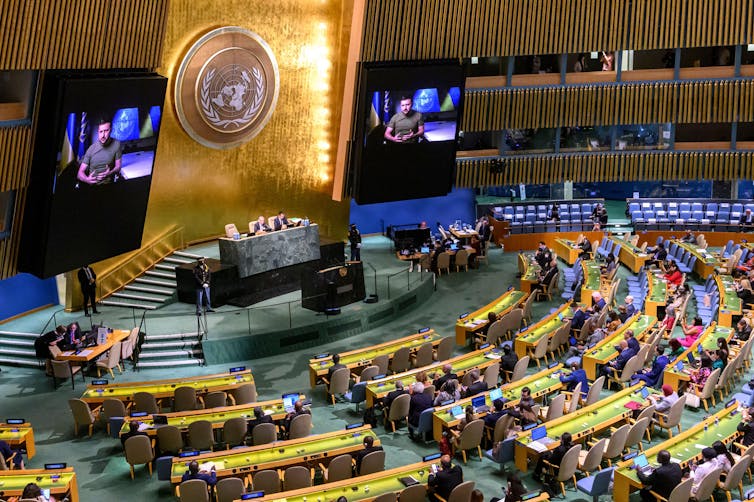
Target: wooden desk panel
{"x":19,"y":436}
{"x":61,"y":483}
{"x":468,"y":324}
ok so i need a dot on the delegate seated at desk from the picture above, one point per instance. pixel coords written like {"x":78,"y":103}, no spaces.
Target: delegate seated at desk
{"x":281,"y":222}
{"x":260,"y":227}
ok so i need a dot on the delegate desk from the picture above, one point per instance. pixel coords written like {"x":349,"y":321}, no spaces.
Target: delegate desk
{"x":87,"y":355}
{"x":462,"y":233}
{"x":682,"y":448}
{"x":363,"y":488}
{"x":216,"y":416}
{"x":530,"y":270}
{"x":19,"y":436}
{"x":478,"y":359}
{"x":705,"y":261}
{"x":657,"y":294}
{"x":308,"y":451}
{"x":61,"y":482}
{"x":542,"y":383}
{"x":547,"y":326}
{"x":358,"y":359}
{"x":631,"y":256}
{"x":261,"y":253}
{"x":567,"y":250}
{"x":95,"y":395}
{"x":604,"y":351}
{"x":730,"y":303}
{"x":468,"y":324}
{"x":584,"y":422}
{"x":708,"y":340}
{"x":592,"y":280}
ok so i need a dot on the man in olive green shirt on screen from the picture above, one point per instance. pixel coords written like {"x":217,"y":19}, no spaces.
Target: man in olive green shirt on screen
{"x":101,"y":162}
{"x":405,"y":126}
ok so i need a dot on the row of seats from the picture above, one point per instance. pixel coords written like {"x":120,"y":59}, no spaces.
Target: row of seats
{"x":714,"y":207}
{"x":518,"y":227}
{"x":541,"y":212}
{"x":703,"y":216}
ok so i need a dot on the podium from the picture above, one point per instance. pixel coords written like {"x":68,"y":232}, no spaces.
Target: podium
{"x":333,"y":287}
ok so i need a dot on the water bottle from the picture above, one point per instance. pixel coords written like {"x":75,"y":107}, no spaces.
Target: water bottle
{"x":306,"y":221}
{"x":717,"y":422}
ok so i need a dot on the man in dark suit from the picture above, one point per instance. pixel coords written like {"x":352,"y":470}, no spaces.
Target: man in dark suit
{"x":88,"y":281}
{"x":586,"y":249}
{"x":368,"y":448}
{"x":194,"y":473}
{"x":133,"y":430}
{"x":625,"y":353}
{"x":477,"y":384}
{"x":388,"y":400}
{"x":546,"y":277}
{"x":419,"y":402}
{"x":259,"y":418}
{"x":554,"y":456}
{"x":492,"y":417}
{"x":260,"y":226}
{"x":747,"y":221}
{"x":577,"y":376}
{"x":280,"y":222}
{"x":335,"y":367}
{"x":442,"y":483}
{"x":663,"y":479}
{"x":508,"y":360}
{"x":580,"y":314}
{"x":448,"y":374}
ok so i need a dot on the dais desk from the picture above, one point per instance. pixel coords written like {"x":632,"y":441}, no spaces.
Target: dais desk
{"x":468,"y":324}
{"x":61,"y":483}
{"x":96,"y":394}
{"x":19,"y":436}
{"x":241,"y":462}
{"x":89,"y":354}
{"x":359,"y":359}
{"x":682,"y":448}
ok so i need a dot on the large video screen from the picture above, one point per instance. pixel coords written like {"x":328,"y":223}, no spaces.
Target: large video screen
{"x":95,"y":146}
{"x":408,"y":126}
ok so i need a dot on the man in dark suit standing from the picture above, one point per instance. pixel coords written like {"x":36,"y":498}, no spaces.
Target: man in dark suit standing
{"x":663,"y":479}
{"x":442,"y":483}
{"x":88,"y":281}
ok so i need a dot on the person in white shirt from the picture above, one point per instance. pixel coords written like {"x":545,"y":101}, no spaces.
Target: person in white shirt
{"x":698,"y":472}
{"x":724,"y":459}
{"x":664,"y":402}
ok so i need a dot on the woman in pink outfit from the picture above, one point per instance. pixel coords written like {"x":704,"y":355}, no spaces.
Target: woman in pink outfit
{"x":691,"y":332}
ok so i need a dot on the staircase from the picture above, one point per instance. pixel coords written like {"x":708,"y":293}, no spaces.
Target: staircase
{"x":17,"y":349}
{"x":179,"y":349}
{"x":154,"y":288}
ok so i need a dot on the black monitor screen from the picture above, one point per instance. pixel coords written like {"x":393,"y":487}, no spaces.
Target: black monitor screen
{"x":408,"y":125}
{"x":95,"y":146}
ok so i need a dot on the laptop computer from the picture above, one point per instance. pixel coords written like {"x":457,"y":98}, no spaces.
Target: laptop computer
{"x":289,"y":400}
{"x":457,"y":412}
{"x":539,"y":435}
{"x":425,"y":249}
{"x":496,"y":394}
{"x":642,"y":464}
{"x":679,"y":366}
{"x":644,"y":392}
{"x":480,"y":404}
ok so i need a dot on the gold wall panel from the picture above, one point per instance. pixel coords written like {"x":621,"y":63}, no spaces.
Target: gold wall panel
{"x":290,"y":164}
{"x":655,"y":166}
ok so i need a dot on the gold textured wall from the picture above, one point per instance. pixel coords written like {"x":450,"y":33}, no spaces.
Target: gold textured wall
{"x":290,"y":163}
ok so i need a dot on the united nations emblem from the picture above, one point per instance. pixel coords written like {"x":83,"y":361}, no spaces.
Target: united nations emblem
{"x":226,"y":87}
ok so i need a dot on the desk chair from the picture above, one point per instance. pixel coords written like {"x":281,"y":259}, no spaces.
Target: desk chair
{"x":445,"y":349}
{"x":398,"y":410}
{"x":338,"y":384}
{"x":443,"y":263}
{"x":264,"y":434}
{"x":567,"y":468}
{"x":648,"y":412}
{"x":462,"y":260}
{"x":615,"y":444}
{"x":681,"y":493}
{"x":296,"y":477}
{"x":500,"y":431}
{"x":491,"y":375}
{"x":112,"y":408}
{"x":735,"y":477}
{"x":372,"y":462}
{"x":340,"y":468}
{"x":470,"y":438}
{"x":539,"y":351}
{"x":112,"y":360}
{"x":590,"y":460}
{"x":267,"y":481}
{"x":672,"y":418}
{"x":229,"y":489}
{"x":184,"y":399}
{"x":707,"y":485}
{"x":82,"y":415}
{"x":139,"y":451}
{"x":301,"y":426}
{"x":216,"y":399}
{"x":387,"y":497}
{"x":401,"y":360}
{"x":170,"y":440}
{"x":244,"y":394}
{"x":519,"y":370}
{"x":424,"y":355}
{"x":382,"y":362}
{"x":145,"y":401}
{"x":234,"y":432}
{"x":201,"y":436}
{"x":193,"y":490}
{"x":367,"y":374}
{"x":596,"y":485}
{"x":461,"y":493}
{"x":230,"y":230}
{"x":414,"y":493}
{"x":424,"y":427}
{"x":64,"y":369}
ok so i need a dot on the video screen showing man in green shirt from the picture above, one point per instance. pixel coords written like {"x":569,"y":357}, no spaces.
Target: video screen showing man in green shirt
{"x":102,"y":161}
{"x":406,"y":126}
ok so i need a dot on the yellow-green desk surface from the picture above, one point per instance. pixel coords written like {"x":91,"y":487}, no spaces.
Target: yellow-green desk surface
{"x":657,"y":294}
{"x":363,"y":488}
{"x":583,"y":422}
{"x":730,"y":303}
{"x":708,"y":340}
{"x":470,"y":323}
{"x":567,"y":250}
{"x":96,"y":394}
{"x":216,"y":416}
{"x":631,"y":256}
{"x":61,"y":483}
{"x":240,"y":462}
{"x":377,"y":389}
{"x":591,"y":280}
{"x":541,"y":383}
{"x":531,"y":272}
{"x":683,"y":448}
{"x":705,"y":261}
{"x":604,"y":351}
{"x":361,"y":358}
{"x":546,"y":326}
{"x":21,"y":435}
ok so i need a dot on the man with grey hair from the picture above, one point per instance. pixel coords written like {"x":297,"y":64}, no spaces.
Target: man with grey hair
{"x":447,"y":370}
{"x":477,"y":384}
{"x":419,"y":402}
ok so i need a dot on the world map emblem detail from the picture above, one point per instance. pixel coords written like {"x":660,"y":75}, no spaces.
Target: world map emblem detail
{"x":226,"y":88}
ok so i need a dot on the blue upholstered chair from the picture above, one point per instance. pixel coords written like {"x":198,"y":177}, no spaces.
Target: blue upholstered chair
{"x":596,"y":485}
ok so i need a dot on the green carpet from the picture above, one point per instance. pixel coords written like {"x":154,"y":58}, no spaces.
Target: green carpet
{"x":99,"y":462}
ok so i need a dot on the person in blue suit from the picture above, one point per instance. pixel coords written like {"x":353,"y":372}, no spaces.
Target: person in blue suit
{"x":576,"y":376}
{"x":650,"y":376}
{"x":619,"y":362}
{"x":194,"y":473}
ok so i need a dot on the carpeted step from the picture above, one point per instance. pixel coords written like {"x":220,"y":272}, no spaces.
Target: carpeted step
{"x":122,"y":302}
{"x":179,"y":260}
{"x":168,"y":354}
{"x":141,"y":297}
{"x":149,"y":289}
{"x":161,"y":275}
{"x":166,"y":364}
{"x":21,"y":335}
{"x":190,"y":256}
{"x":166,"y":267}
{"x":17,"y":361}
{"x":173,"y":336}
